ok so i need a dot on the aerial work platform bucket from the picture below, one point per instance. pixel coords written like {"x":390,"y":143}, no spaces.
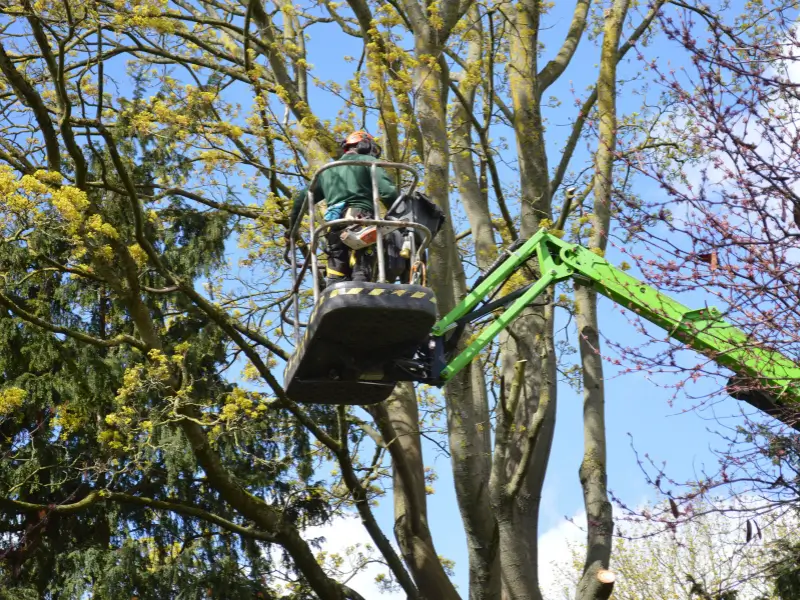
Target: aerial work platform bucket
{"x":361,"y":338}
{"x":354,"y":338}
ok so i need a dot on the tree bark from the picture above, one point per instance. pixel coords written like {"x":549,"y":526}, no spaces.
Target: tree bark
{"x":398,"y":422}
{"x":529,"y":339}
{"x":468,"y":408}
{"x":474,"y":201}
{"x":445,"y":272}
{"x":532,"y":331}
{"x":593,"y":473}
{"x":593,"y":470}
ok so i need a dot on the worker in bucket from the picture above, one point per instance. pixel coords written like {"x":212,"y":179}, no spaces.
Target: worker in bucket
{"x":347,"y":191}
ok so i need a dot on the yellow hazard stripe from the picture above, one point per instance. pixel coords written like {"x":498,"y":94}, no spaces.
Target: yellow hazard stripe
{"x":392,"y":290}
{"x":354,"y":291}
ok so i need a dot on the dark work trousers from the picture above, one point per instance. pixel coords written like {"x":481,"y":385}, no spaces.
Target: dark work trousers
{"x":346,"y":264}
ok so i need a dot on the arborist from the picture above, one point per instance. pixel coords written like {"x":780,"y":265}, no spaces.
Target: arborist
{"x":347,"y":191}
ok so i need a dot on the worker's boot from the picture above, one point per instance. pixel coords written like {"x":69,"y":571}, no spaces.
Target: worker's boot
{"x":338,"y":268}
{"x":364,"y":267}
{"x":333,"y":277}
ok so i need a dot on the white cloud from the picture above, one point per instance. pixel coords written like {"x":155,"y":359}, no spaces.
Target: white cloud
{"x":555,"y":555}
{"x":347,"y":537}
{"x":561,"y":551}
{"x":712,"y":547}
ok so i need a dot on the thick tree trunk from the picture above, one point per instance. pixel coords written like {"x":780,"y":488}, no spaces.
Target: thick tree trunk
{"x":525,"y":95}
{"x":398,"y":422}
{"x":469,"y":430}
{"x":474,"y":201}
{"x":593,"y":467}
{"x":468,"y":420}
{"x":467,"y":406}
{"x":530,"y":338}
{"x":593,"y":471}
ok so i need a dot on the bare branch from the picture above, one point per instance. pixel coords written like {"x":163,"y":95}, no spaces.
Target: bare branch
{"x":553,"y":69}
{"x":28,"y":94}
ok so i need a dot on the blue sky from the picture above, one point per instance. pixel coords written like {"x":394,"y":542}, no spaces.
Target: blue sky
{"x":638,"y":410}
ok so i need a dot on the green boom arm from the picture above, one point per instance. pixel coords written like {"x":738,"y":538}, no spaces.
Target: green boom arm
{"x":776,"y":376}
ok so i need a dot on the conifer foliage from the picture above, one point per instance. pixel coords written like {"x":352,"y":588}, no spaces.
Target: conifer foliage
{"x":149,"y":150}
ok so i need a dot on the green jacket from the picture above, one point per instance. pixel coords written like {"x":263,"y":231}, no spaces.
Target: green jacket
{"x":347,"y":187}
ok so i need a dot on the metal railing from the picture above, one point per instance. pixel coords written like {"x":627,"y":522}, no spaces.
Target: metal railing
{"x":318,"y":232}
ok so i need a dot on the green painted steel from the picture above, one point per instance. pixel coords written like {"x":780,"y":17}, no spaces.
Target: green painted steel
{"x":703,"y":330}
{"x":551,"y":270}
{"x":496,"y":326}
{"x":502,"y":273}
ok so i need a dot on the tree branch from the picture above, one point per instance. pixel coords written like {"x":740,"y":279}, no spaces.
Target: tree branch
{"x":487,"y":151}
{"x":260,"y":339}
{"x":515,"y":483}
{"x":56,"y":69}
{"x":241,"y":211}
{"x":23,"y":314}
{"x":504,"y":108}
{"x":96,"y":497}
{"x":368,"y":519}
{"x":588,"y":104}
{"x":553,"y":69}
{"x":384,"y":423}
{"x":28,"y":95}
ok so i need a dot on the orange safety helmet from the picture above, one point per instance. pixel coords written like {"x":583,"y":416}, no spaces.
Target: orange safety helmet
{"x":358,"y":136}
{"x":362,"y":142}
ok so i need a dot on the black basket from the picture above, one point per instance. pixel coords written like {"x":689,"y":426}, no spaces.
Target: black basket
{"x":419,"y":209}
